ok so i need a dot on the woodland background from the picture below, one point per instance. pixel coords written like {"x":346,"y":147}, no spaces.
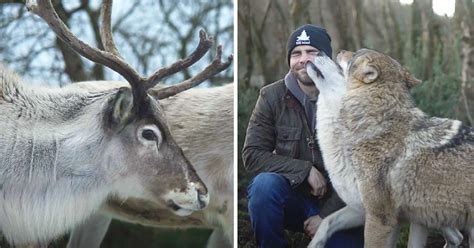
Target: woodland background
{"x":149,"y":34}
{"x":436,"y":49}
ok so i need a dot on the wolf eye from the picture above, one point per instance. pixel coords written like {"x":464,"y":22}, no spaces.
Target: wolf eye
{"x":369,"y":73}
{"x":149,"y":135}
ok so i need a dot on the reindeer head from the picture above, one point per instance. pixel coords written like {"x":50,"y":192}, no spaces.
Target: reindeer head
{"x":146,"y":160}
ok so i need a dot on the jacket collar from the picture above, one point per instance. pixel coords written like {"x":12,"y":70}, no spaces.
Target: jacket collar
{"x":292,"y":85}
{"x":291,"y":90}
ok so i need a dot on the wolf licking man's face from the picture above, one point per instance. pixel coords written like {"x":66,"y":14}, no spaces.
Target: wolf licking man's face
{"x":299,"y":56}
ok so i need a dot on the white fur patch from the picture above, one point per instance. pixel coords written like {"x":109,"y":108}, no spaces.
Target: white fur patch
{"x":450,"y":133}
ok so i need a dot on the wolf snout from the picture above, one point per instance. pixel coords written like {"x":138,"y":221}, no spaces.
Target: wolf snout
{"x":313,"y":70}
{"x":310,"y":64}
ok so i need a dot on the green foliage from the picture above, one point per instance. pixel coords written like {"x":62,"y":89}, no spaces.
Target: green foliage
{"x":439,"y":94}
{"x":247,"y":97}
{"x":403,"y":236}
{"x":128,"y":235}
{"x":121,"y":234}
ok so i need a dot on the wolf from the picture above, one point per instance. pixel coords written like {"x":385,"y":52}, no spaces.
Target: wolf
{"x":336,"y":154}
{"x":409,"y":166}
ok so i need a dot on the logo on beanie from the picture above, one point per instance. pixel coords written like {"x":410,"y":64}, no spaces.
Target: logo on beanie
{"x":302,"y":39}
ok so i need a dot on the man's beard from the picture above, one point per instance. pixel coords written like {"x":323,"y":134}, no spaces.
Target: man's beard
{"x":302,"y":76}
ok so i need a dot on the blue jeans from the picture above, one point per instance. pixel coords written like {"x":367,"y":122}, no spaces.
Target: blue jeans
{"x":275,"y":206}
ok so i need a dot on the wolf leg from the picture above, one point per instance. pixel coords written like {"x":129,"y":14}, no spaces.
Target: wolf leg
{"x":470,"y":233}
{"x":452,"y":236}
{"x":344,"y":218}
{"x":218,"y":239}
{"x":378,"y":230}
{"x":417,"y":236}
{"x":91,"y":233}
{"x":393,"y":238}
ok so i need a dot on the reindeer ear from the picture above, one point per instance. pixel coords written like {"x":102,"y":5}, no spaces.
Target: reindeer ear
{"x":369,"y":74}
{"x":120,"y":108}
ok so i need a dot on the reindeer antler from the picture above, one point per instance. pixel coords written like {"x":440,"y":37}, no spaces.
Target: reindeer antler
{"x":205,"y":42}
{"x":111,"y":58}
{"x":215,"y":67}
{"x":45,"y":10}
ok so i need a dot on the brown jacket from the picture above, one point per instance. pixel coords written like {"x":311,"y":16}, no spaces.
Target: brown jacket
{"x":279,"y":140}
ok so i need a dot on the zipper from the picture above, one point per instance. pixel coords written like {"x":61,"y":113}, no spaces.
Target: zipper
{"x":310,"y":140}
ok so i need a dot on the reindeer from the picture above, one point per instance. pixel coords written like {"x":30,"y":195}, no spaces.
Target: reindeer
{"x":64,"y":152}
{"x":209,"y":147}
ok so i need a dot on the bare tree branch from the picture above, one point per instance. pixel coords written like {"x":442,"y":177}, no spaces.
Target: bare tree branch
{"x":215,"y":67}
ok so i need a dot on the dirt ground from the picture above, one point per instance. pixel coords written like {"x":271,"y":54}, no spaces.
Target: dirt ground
{"x":300,"y":240}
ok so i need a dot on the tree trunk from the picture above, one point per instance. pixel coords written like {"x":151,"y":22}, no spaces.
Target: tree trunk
{"x":339,"y":15}
{"x":299,"y":12}
{"x":73,"y":64}
{"x":467,"y":51}
{"x":416,"y":28}
{"x":427,"y":50}
{"x":358,"y":34}
{"x":393,"y":31}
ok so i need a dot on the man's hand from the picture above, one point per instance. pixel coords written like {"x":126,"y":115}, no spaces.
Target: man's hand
{"x":311,"y":225}
{"x":317,"y":182}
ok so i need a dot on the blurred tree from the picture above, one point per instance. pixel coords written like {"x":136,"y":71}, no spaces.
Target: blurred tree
{"x":392,"y":30}
{"x":427,"y":36}
{"x":464,"y":15}
{"x":356,"y":15}
{"x":416,"y":28}
{"x":299,"y":13}
{"x":342,"y":19}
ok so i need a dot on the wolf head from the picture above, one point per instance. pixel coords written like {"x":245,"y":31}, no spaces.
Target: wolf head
{"x":327,"y":76}
{"x":371,"y":67}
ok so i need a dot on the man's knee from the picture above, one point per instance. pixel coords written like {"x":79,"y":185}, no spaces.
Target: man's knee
{"x":268,"y":187}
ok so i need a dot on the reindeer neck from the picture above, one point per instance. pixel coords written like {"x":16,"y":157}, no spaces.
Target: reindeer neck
{"x":52,"y":133}
{"x":51,"y":173}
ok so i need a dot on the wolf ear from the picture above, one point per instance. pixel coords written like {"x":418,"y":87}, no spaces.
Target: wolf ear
{"x":369,"y":74}
{"x":410,"y":80}
{"x":120,"y":109}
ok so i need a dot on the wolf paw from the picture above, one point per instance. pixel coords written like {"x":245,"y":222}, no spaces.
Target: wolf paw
{"x":317,"y":243}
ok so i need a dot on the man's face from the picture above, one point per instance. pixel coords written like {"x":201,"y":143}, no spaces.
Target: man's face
{"x":298,"y":58}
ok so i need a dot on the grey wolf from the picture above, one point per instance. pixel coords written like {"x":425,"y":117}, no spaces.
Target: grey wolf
{"x":335,"y":149}
{"x":410,"y":166}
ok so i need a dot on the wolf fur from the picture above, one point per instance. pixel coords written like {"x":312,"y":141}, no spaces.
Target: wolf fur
{"x":336,"y":153}
{"x":410,"y":166}
{"x":331,"y":85}
{"x":201,"y":121}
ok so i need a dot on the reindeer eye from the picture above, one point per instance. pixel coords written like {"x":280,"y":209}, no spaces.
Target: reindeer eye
{"x":149,"y":135}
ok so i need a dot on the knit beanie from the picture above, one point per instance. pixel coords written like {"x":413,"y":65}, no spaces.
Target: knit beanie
{"x":312,"y":35}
